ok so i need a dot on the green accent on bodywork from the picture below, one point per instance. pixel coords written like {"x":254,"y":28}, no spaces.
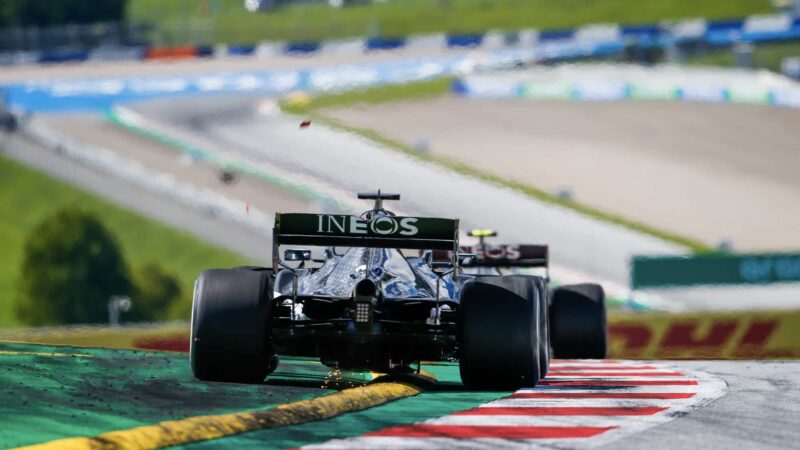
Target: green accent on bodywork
{"x":52,"y":397}
{"x":431,"y":89}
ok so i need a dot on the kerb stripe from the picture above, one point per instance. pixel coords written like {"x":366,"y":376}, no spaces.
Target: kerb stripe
{"x":547,"y":382}
{"x":563,"y":411}
{"x":621,"y":395}
{"x":596,"y":367}
{"x":477,"y":432}
{"x":614,"y":374}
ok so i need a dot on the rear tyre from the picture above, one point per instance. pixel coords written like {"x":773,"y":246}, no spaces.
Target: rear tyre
{"x":578,"y":322}
{"x":499,"y":340}
{"x":544,"y":328}
{"x":230,"y":328}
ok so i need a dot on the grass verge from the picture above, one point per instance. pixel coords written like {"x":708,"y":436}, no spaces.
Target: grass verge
{"x":314,"y":109}
{"x":28,"y":196}
{"x":209,"y":21}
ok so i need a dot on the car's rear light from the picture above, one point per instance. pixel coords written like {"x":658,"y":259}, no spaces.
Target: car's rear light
{"x":363,"y":312}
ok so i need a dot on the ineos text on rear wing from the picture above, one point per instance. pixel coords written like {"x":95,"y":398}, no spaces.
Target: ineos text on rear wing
{"x":503,"y":255}
{"x":350,"y":231}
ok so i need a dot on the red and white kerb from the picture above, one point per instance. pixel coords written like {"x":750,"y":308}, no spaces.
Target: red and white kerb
{"x":580,"y":404}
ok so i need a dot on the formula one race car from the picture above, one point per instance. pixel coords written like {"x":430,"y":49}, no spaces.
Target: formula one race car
{"x":371,"y":307}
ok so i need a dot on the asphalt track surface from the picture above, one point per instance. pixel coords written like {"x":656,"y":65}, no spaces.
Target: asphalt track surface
{"x":349,"y":164}
{"x":710,"y":171}
{"x":59,"y":392}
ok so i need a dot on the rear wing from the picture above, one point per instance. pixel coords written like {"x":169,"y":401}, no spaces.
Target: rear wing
{"x":423,"y":233}
{"x":502,"y":255}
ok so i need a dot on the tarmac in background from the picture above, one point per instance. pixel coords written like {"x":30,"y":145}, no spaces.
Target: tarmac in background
{"x":713,"y":172}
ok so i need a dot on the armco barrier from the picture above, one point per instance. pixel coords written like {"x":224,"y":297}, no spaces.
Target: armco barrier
{"x":714,"y":269}
{"x":741,"y":335}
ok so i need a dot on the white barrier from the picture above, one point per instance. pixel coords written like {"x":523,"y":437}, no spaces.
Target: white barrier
{"x":623,"y":82}
{"x":202,"y":199}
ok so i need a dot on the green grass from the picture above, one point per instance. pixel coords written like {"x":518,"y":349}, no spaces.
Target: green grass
{"x":314,"y":109}
{"x":28,"y":196}
{"x":227,"y":20}
{"x":379,"y":94}
{"x":765,"y":56}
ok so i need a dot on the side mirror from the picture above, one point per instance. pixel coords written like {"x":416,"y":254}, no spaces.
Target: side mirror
{"x":294,"y":254}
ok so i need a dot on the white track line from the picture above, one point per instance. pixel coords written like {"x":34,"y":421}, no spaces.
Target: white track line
{"x":544,"y":421}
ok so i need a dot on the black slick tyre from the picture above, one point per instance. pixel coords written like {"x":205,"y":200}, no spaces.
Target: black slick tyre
{"x":230,"y":337}
{"x":578,"y":322}
{"x":544,"y":328}
{"x":499,"y":341}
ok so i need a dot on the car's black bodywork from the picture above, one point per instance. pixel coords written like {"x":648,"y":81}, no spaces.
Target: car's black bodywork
{"x":372,"y":307}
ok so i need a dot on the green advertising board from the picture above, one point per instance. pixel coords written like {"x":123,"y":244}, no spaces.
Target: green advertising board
{"x":547,"y":90}
{"x":714,"y":269}
{"x":754,"y":95}
{"x":652,"y":91}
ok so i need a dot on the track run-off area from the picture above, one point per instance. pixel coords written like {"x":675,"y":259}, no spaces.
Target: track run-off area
{"x":80,"y":397}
